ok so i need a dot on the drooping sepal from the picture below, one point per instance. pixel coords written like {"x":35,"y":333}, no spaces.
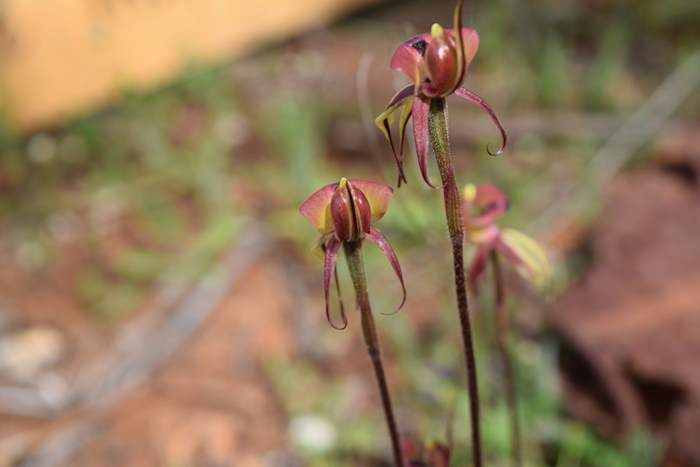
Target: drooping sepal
{"x":478,"y":266}
{"x":478,"y":100}
{"x":421,"y":136}
{"x":376,"y":237}
{"x":329,"y":272}
{"x":402,"y":102}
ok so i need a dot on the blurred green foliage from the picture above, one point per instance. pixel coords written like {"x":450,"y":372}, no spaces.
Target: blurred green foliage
{"x":130,"y":186}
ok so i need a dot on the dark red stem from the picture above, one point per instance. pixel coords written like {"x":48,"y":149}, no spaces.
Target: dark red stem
{"x":439,"y":138}
{"x":353,"y":253}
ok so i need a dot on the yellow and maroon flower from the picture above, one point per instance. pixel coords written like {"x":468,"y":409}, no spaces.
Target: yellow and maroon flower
{"x":436,"y":62}
{"x":345,"y":212}
{"x":482,"y":207}
{"x":416,"y":454}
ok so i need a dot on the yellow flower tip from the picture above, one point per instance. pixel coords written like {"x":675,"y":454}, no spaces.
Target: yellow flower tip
{"x":437,"y":31}
{"x":343,"y":182}
{"x":469,"y":192}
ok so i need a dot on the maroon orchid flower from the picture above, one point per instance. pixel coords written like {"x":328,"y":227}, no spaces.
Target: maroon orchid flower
{"x":416,"y":454}
{"x":436,"y":62}
{"x":482,"y":207}
{"x":345,"y":212}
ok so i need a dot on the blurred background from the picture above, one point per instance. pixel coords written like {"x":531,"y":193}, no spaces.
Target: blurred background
{"x":160,"y":299}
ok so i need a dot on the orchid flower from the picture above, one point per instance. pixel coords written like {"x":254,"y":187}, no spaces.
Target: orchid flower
{"x":436,"y":63}
{"x":344,"y":214}
{"x":430,"y":455}
{"x":482,"y":207}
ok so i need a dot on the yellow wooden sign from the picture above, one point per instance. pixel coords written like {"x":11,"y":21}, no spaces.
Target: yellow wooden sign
{"x":60,"y":57}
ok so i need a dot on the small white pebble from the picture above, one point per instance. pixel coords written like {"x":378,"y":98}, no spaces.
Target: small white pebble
{"x":41,"y":148}
{"x":312,"y":433}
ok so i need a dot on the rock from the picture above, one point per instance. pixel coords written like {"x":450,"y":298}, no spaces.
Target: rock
{"x":630,"y":330}
{"x":27,"y":352}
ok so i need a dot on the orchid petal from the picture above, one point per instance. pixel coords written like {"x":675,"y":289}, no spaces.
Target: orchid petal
{"x":478,"y":266}
{"x":401,"y":100}
{"x":329,"y":270}
{"x":421,"y":135}
{"x":378,"y":194}
{"x":316,"y":208}
{"x":473,"y":97}
{"x":408,"y":57}
{"x":376,"y":237}
{"x":529,"y":258}
{"x":339,"y":294}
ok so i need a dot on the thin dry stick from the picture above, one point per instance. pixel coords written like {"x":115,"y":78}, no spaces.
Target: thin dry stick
{"x":501,"y":317}
{"x":353,"y":253}
{"x":439,"y":138}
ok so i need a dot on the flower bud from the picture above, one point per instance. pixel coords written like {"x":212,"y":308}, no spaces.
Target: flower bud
{"x":441,"y":63}
{"x":350,"y":212}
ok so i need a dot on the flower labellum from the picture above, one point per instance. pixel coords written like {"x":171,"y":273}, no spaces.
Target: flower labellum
{"x":345,"y":212}
{"x":441,"y":63}
{"x":350,"y":212}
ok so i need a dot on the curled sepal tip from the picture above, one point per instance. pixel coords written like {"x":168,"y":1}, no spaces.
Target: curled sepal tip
{"x":478,"y":100}
{"x":376,"y":237}
{"x":329,"y":271}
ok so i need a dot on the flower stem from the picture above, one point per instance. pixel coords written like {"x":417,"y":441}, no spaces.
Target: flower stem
{"x":506,"y":364}
{"x":353,"y":253}
{"x":439,"y":138}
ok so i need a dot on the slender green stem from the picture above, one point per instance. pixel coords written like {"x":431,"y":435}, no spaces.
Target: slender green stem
{"x":353,"y":253}
{"x":439,"y":138}
{"x":501,"y":316}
